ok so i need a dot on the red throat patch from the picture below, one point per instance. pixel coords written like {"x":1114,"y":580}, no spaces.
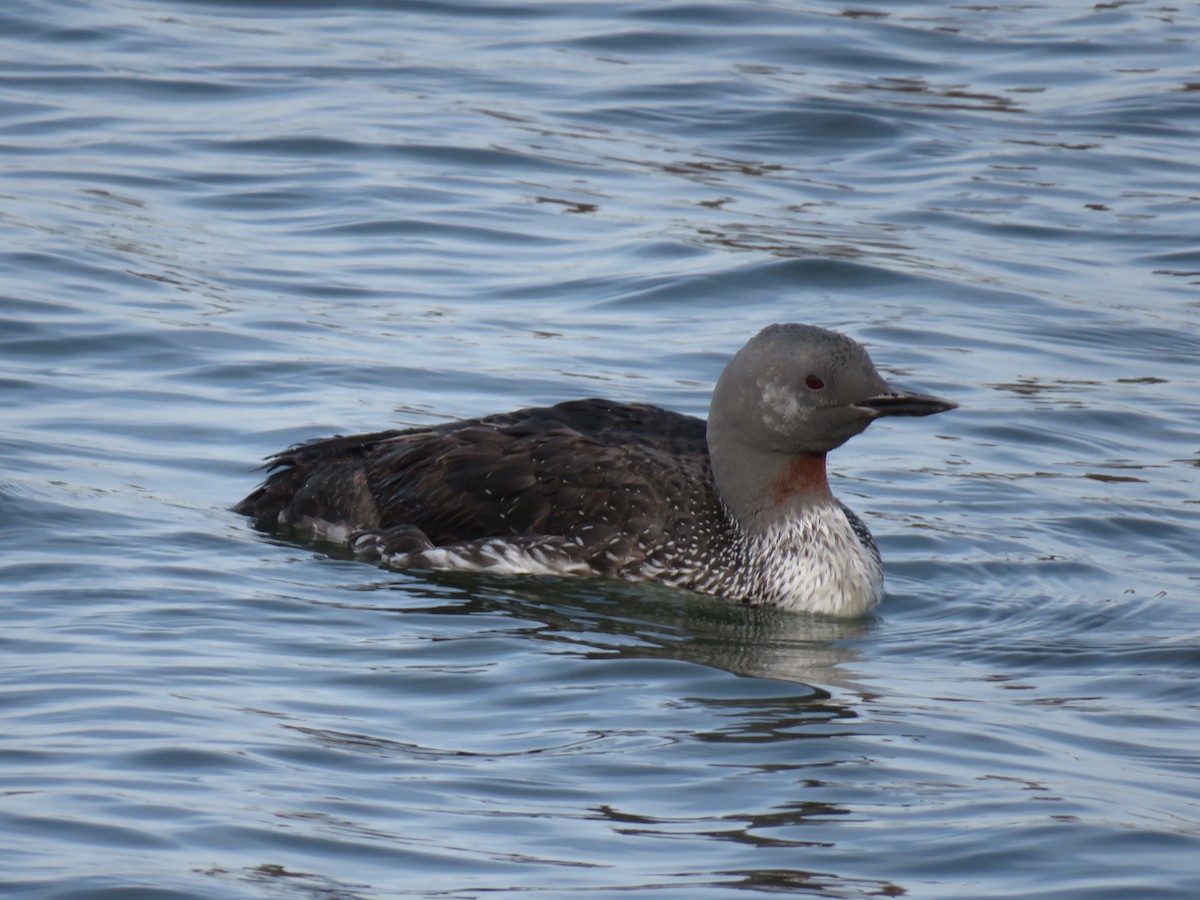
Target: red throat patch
{"x":803,"y":476}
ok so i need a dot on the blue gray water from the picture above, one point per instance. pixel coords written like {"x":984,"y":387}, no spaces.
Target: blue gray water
{"x":229,"y":226}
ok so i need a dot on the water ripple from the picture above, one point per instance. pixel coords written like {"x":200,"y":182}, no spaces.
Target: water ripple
{"x":232,"y":226}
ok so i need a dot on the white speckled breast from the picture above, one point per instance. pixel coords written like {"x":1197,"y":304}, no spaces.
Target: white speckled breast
{"x":817,"y":561}
{"x":820,"y":559}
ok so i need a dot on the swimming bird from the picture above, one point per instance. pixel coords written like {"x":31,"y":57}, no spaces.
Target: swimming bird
{"x":739,"y":506}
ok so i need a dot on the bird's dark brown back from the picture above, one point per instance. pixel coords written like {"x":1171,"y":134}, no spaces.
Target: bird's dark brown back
{"x":552,"y":470}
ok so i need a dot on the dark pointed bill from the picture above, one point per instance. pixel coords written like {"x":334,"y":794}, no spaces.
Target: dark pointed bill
{"x":896,"y":402}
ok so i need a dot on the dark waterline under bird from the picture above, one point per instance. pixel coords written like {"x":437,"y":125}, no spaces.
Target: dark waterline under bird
{"x":739,"y":506}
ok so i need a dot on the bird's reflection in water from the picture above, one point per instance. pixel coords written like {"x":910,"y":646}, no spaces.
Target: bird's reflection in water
{"x":602,"y":618}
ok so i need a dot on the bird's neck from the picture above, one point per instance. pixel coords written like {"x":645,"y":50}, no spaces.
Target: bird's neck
{"x":761,"y":488}
{"x":803,"y":479}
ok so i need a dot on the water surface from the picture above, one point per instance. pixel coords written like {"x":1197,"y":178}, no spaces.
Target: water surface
{"x":229,"y":226}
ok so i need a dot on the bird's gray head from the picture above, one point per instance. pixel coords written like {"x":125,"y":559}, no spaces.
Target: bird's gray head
{"x":801,"y":389}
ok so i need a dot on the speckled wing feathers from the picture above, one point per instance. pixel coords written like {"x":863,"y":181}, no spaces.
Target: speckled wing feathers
{"x":598,"y":473}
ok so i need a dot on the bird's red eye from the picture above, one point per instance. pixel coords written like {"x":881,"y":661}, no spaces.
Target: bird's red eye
{"x":814,"y":383}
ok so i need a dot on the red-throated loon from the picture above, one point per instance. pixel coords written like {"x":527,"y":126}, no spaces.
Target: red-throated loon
{"x":738,"y":506}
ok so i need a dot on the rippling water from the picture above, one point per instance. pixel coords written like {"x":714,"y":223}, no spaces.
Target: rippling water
{"x":228,"y":226}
